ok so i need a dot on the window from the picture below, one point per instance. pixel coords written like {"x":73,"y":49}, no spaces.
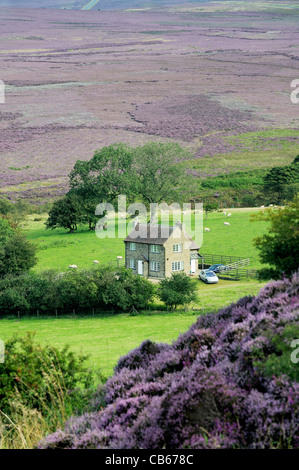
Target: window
{"x":132,"y":246}
{"x":177,"y":248}
{"x":155,"y":266}
{"x":132,"y":263}
{"x":177,"y":266}
{"x":155,"y":249}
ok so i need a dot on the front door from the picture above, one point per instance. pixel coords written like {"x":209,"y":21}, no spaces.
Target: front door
{"x":193,"y":265}
{"x":140,"y":267}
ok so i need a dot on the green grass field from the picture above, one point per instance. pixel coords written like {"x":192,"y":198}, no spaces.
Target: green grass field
{"x":58,"y":249}
{"x":105,"y":338}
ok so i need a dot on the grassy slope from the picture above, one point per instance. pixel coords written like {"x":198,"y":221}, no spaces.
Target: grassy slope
{"x":60,"y":249}
{"x":106,"y":338}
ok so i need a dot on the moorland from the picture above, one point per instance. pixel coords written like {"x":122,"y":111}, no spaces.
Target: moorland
{"x":215,"y":77}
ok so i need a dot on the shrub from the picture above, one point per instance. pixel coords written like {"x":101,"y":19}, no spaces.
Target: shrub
{"x":33,"y":372}
{"x":40,"y":388}
{"x":177,"y":290}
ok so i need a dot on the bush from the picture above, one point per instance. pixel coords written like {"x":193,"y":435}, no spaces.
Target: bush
{"x":177,"y":290}
{"x":204,"y":390}
{"x":32,"y":372}
{"x":40,"y":388}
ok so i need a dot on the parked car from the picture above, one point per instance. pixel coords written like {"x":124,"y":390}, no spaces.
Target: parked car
{"x":209,"y":277}
{"x":216,"y":268}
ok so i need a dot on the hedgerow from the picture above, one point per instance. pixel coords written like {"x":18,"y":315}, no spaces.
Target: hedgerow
{"x":51,"y":293}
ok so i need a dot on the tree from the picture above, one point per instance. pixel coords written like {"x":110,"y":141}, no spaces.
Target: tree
{"x":278,"y":179}
{"x":157,"y":175}
{"x":179,"y":289}
{"x":280,"y":246}
{"x":65,"y":213}
{"x":102,"y":178}
{"x":17,"y":254}
{"x":210,"y":207}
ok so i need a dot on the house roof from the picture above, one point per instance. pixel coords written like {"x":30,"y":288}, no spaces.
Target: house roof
{"x":155,"y":234}
{"x":150,"y":233}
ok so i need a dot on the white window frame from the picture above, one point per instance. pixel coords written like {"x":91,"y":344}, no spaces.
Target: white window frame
{"x":177,"y":266}
{"x":177,"y":248}
{"x":155,"y":248}
{"x":132,"y":246}
{"x":132,"y":263}
{"x":155,"y":266}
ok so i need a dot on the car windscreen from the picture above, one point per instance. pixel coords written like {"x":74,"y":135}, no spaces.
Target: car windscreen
{"x":210,"y":274}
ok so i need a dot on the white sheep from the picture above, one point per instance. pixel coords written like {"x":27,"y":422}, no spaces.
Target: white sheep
{"x":207,"y":229}
{"x":262,"y":207}
{"x":226,"y":223}
{"x":73,"y":266}
{"x":270,"y":205}
{"x":228,"y":215}
{"x":224,"y":213}
{"x":96,"y":262}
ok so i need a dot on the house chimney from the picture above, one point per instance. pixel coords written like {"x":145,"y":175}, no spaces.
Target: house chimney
{"x":180,"y":224}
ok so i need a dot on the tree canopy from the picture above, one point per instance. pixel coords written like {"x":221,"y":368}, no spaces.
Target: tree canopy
{"x":66,"y":213}
{"x":17,"y":254}
{"x":279,"y":248}
{"x":179,"y":289}
{"x":150,"y":173}
{"x":278,"y":180}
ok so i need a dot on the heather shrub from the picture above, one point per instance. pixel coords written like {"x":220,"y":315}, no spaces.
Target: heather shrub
{"x":225,"y":383}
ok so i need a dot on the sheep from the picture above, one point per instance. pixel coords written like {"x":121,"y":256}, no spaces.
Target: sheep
{"x":73,"y":266}
{"x":207,"y":229}
{"x":262,"y":207}
{"x":96,"y":262}
{"x":226,"y":223}
{"x":228,"y":215}
{"x":270,"y":205}
{"x":224,"y":213}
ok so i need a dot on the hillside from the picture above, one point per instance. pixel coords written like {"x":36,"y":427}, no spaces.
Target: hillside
{"x":215,"y":77}
{"x":226,"y":383}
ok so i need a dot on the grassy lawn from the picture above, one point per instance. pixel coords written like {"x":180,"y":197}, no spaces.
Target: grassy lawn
{"x":58,"y":249}
{"x":107,"y":337}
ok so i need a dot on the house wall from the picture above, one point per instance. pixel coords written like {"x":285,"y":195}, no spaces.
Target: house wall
{"x":145,"y":249}
{"x":178,"y":237}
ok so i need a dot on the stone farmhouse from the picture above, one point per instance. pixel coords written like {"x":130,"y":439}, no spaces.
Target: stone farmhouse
{"x":157,"y":251}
